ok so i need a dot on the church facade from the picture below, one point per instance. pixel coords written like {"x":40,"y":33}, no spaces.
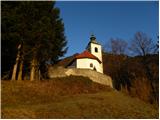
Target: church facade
{"x":91,"y":58}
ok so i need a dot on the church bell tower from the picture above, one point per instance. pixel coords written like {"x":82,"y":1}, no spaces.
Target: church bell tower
{"x":96,"y":49}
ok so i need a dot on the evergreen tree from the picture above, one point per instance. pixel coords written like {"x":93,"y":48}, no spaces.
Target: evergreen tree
{"x":39,"y":27}
{"x":9,"y":38}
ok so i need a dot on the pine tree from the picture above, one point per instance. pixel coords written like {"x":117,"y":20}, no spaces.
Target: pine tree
{"x":39,"y":26}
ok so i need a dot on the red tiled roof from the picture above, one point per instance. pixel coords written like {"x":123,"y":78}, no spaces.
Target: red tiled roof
{"x":86,"y":54}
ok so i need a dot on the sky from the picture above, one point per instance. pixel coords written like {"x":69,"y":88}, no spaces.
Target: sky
{"x":106,"y":19}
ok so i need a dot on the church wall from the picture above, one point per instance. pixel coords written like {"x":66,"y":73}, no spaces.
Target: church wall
{"x":85,"y":64}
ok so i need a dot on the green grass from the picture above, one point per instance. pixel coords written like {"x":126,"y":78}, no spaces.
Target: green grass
{"x":71,"y":97}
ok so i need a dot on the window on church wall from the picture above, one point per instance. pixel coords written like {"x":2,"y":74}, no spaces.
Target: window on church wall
{"x":91,"y":64}
{"x":96,"y":49}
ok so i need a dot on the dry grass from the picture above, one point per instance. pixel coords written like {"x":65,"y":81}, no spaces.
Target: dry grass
{"x":70,"y":97}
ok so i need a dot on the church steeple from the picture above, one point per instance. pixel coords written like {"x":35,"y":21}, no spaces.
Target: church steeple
{"x":93,"y":39}
{"x":95,"y":49}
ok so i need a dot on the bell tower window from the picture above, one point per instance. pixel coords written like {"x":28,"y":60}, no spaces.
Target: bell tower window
{"x":96,"y":49}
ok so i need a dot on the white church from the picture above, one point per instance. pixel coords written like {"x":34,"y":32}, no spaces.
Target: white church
{"x":91,"y":58}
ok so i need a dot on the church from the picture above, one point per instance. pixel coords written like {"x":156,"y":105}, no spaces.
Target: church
{"x":89,"y":64}
{"x":91,"y":58}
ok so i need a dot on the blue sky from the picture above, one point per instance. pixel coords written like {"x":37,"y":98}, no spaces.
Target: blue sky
{"x":106,"y":19}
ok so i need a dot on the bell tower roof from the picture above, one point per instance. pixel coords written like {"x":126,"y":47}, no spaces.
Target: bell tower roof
{"x":93,"y":39}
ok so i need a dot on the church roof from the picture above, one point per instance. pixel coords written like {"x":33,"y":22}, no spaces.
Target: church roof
{"x":69,"y":60}
{"x":86,"y":54}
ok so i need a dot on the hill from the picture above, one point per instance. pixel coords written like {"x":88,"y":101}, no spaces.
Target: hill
{"x":69,"y":97}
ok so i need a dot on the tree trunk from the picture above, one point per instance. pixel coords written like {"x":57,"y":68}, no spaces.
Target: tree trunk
{"x":32,"y":74}
{"x":20,"y":70}
{"x":15,"y":67}
{"x":17,"y":62}
{"x":14,"y":71}
{"x":37,"y":73}
{"x":34,"y":69}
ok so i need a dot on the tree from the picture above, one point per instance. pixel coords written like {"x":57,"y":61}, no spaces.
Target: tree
{"x":9,"y":39}
{"x":40,"y":28}
{"x":142,"y":44}
{"x":156,"y":50}
{"x":118,"y":46}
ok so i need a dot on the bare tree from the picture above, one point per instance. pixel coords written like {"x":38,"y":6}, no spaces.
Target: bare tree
{"x":156,"y":50}
{"x":118,"y":46}
{"x":142,"y":44}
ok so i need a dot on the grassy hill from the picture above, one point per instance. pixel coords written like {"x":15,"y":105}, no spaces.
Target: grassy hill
{"x":70,"y":97}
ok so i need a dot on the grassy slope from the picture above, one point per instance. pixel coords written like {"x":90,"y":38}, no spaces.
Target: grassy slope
{"x":71,"y":97}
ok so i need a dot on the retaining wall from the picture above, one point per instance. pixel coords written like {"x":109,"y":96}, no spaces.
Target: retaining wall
{"x":93,"y":75}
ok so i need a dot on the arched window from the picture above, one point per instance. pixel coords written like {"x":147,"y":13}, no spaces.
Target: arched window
{"x":91,"y":64}
{"x":96,"y":49}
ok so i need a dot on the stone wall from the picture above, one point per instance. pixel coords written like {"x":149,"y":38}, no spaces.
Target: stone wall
{"x":93,"y":75}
